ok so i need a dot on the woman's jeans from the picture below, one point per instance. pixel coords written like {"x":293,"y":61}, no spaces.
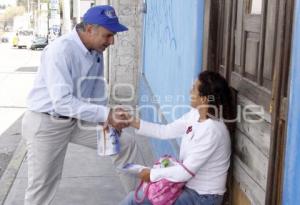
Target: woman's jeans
{"x":187,"y":197}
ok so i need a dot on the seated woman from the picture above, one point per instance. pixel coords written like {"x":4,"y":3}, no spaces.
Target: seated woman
{"x":205,"y":147}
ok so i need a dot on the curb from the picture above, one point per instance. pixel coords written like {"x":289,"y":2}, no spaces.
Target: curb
{"x":12,"y":170}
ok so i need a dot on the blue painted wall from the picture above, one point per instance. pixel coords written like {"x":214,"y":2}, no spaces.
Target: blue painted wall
{"x":291,"y":189}
{"x":172,"y":59}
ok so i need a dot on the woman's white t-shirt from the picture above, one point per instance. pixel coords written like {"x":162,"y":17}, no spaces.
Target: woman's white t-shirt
{"x":205,"y":150}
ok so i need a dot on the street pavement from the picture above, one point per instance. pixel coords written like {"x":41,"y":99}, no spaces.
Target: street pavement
{"x":87,"y":179}
{"x":14,"y":87}
{"x":15,"y":84}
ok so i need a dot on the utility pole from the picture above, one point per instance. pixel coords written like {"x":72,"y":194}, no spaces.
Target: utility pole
{"x":77,"y":10}
{"x":28,"y":5}
{"x":54,"y":25}
{"x":38,"y":17}
{"x":66,"y":17}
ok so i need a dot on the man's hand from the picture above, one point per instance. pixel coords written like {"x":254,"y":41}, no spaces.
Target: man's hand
{"x":133,"y":120}
{"x":118,"y":118}
{"x":145,"y":175}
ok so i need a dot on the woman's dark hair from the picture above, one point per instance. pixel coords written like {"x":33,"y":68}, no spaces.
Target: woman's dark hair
{"x":220,"y":99}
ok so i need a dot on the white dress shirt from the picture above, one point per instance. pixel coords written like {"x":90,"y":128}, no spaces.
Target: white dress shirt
{"x":205,"y":150}
{"x":70,"y":82}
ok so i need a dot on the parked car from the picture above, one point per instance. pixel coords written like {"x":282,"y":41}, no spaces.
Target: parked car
{"x":39,"y":43}
{"x":4,"y":39}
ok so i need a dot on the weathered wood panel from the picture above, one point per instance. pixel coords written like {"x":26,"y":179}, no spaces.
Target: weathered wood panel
{"x":253,"y":191}
{"x":254,"y":162}
{"x":251,"y":152}
{"x":251,"y":62}
{"x":245,"y":101}
{"x":238,"y":34}
{"x":259,"y":132}
{"x":250,"y":23}
{"x":270,"y":40}
{"x":259,"y":95}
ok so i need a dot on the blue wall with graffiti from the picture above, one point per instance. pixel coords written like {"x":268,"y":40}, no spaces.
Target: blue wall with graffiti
{"x":172,"y":58}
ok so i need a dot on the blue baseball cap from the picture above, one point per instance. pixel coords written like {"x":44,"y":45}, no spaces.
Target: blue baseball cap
{"x":104,"y":16}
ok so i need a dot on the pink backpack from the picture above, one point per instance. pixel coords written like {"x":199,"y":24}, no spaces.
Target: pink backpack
{"x":162,"y":192}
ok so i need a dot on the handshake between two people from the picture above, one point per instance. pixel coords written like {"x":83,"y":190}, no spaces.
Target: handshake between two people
{"x":120,"y":118}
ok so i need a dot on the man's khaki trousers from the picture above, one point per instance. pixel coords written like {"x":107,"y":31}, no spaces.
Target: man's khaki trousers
{"x":47,"y":139}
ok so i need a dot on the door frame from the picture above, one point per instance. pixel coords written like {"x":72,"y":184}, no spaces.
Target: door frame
{"x":279,"y":104}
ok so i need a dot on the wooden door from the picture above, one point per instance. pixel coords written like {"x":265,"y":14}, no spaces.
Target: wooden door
{"x":249,"y":42}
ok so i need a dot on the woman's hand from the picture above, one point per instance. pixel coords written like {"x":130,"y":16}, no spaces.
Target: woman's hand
{"x":135,"y":123}
{"x":145,"y":175}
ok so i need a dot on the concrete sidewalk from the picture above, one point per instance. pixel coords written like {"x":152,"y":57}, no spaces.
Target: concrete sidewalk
{"x":87,"y":179}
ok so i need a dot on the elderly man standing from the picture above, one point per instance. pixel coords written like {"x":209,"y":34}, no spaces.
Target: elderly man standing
{"x":68,"y":101}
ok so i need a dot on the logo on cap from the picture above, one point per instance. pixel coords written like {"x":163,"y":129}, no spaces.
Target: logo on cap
{"x":110,"y":14}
